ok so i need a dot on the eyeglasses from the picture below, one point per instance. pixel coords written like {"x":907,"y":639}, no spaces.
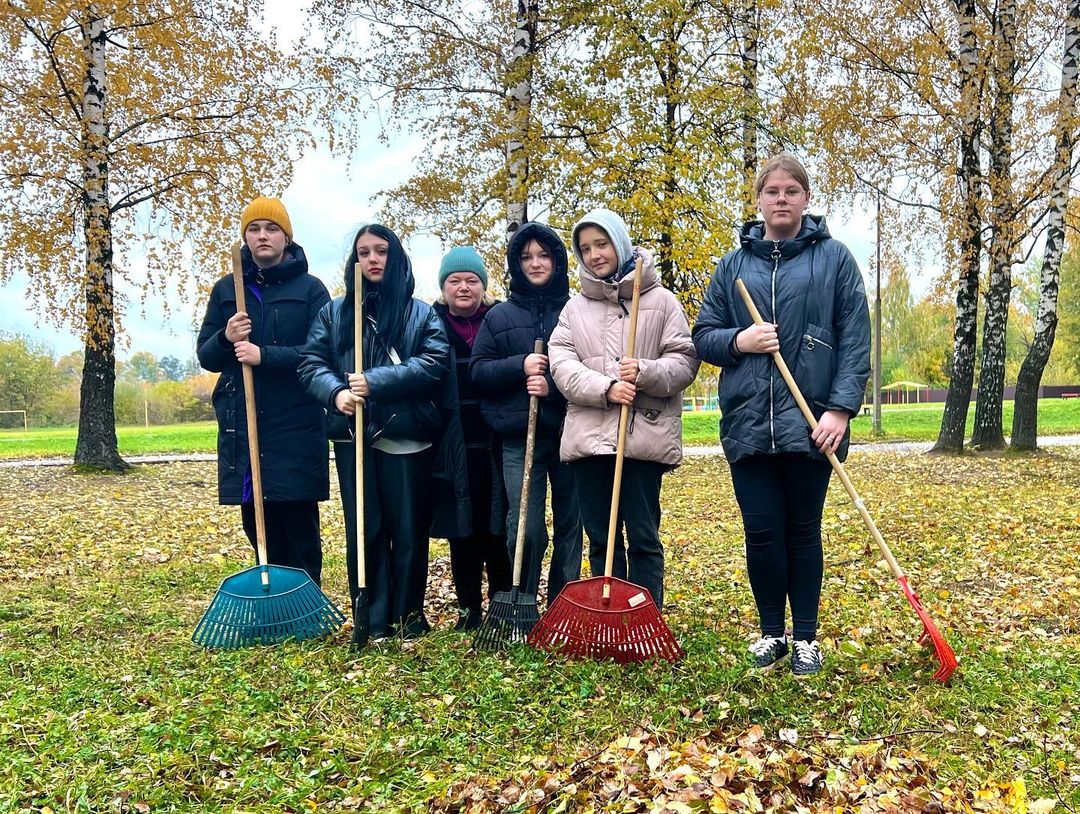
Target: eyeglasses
{"x":772,"y":194}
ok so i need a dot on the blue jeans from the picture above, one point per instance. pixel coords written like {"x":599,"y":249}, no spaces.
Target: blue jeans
{"x":566,"y":549}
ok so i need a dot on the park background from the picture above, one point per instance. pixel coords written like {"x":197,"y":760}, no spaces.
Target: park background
{"x":939,"y":137}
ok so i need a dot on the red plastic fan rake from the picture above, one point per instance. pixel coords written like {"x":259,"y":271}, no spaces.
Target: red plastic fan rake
{"x":930,"y":633}
{"x":606,"y":617}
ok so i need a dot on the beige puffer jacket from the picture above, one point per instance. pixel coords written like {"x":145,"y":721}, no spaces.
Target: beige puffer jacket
{"x":585,"y":349}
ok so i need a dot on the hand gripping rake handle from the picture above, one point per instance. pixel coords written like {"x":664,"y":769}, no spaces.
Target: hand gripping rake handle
{"x":620,"y":449}
{"x":252,"y":428}
{"x":358,"y":428}
{"x":526,"y":480}
{"x":941,"y":647}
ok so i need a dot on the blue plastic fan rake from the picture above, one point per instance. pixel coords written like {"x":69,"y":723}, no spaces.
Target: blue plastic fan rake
{"x":265,"y":604}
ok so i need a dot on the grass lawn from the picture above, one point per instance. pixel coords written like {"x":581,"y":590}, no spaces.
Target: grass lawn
{"x":906,"y":422}
{"x":199,"y":436}
{"x":105,"y":704}
{"x":898,"y":423}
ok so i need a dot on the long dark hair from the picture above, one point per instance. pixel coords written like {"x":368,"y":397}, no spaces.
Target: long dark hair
{"x":386,"y":301}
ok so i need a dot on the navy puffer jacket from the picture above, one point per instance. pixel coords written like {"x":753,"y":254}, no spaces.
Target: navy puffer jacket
{"x":508,"y":334}
{"x":292,"y":440}
{"x":810,"y":286}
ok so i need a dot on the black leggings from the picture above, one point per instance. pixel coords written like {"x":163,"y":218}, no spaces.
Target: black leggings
{"x":781,"y":498}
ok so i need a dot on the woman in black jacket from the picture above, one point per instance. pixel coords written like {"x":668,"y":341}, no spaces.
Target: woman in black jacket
{"x":810,"y":291}
{"x":406,"y":358}
{"x":507,"y":373}
{"x":282,"y":301}
{"x":477,"y":540}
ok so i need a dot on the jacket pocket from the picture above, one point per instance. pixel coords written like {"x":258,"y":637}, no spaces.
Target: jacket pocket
{"x":416,"y":421}
{"x":817,"y":362}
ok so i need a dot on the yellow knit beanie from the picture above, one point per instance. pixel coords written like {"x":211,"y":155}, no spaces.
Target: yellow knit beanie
{"x":266,"y":209}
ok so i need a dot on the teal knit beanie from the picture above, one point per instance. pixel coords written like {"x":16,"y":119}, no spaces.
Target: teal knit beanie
{"x":463,"y":258}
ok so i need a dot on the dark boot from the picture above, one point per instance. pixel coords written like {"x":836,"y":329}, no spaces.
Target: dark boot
{"x":469,"y":619}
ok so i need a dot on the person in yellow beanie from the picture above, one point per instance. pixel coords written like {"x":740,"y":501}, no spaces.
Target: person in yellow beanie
{"x":282,"y":301}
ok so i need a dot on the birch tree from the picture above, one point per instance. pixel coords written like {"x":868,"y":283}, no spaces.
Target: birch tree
{"x":1004,"y":212}
{"x":462,"y":77}
{"x":1025,"y":406}
{"x":131,"y":129}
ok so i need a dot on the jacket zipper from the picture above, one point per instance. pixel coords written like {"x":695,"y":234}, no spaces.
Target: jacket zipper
{"x":776,"y":265}
{"x":811,"y":342}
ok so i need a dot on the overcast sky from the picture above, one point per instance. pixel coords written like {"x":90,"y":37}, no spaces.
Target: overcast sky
{"x":326,"y":205}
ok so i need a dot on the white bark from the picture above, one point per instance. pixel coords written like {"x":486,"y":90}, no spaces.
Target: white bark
{"x":519,"y":103}
{"x":750,"y":23}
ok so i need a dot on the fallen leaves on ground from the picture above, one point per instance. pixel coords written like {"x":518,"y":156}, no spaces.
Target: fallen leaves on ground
{"x":721,"y":772}
{"x":103,"y":697}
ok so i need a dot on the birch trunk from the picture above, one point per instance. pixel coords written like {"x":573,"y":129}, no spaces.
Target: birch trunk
{"x":1025,"y":427}
{"x":519,"y":109}
{"x":750,"y":22}
{"x":987,"y":432}
{"x":670,"y":80}
{"x":958,"y":398}
{"x":96,"y":445}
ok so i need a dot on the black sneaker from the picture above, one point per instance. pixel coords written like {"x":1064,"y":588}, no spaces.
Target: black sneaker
{"x":805,"y":657}
{"x":768,"y":650}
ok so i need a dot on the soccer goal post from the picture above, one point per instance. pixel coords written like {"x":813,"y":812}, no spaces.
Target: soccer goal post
{"x":17,"y":412}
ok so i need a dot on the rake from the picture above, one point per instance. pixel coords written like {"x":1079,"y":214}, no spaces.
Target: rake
{"x":512,"y":614}
{"x":361,"y":623}
{"x":930,"y":633}
{"x":606,"y":617}
{"x":264,"y":604}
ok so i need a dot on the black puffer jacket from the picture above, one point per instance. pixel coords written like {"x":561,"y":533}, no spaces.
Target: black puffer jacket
{"x":292,"y":439}
{"x":810,"y":286}
{"x":508,"y":335}
{"x":406,"y":399}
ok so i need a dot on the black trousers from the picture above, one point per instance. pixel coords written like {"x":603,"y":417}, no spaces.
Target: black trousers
{"x":639,"y":554}
{"x":397,"y":517}
{"x":781,"y":498}
{"x":292,"y":534}
{"x":470,"y":555}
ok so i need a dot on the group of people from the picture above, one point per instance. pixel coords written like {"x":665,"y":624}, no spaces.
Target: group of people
{"x":446,"y":390}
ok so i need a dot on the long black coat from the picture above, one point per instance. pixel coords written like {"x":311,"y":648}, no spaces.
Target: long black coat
{"x":507,"y":337}
{"x":811,"y":287}
{"x":466,"y":455}
{"x":292,"y":440}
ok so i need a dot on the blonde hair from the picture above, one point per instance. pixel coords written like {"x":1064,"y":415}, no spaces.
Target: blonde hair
{"x":782,"y":161}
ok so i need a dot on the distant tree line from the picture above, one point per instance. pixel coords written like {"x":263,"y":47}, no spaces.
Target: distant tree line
{"x":163,"y":391}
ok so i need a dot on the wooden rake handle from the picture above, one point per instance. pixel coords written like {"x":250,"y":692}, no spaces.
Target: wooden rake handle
{"x":526,"y":479}
{"x":252,"y":424}
{"x":358,"y":427}
{"x":781,"y":365}
{"x":620,"y":449}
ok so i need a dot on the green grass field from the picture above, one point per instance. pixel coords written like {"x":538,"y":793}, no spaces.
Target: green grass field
{"x":908,"y":422}
{"x":107,"y":706}
{"x":901,"y":422}
{"x":59,"y":442}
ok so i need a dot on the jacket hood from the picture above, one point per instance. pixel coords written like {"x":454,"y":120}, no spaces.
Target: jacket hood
{"x":293,"y":263}
{"x":752,"y":237}
{"x":596,"y":288}
{"x":521,"y":289}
